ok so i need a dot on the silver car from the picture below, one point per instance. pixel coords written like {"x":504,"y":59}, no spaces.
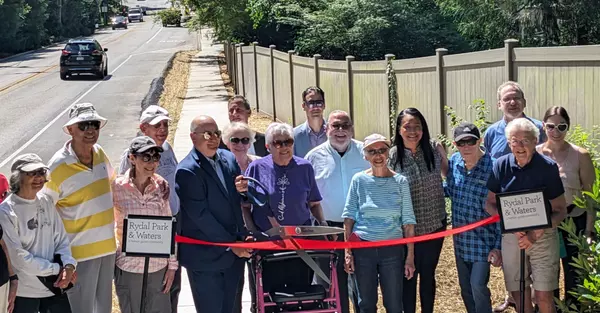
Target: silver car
{"x":135,"y":15}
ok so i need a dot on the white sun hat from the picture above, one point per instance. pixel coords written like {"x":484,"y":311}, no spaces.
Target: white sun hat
{"x":83,"y":112}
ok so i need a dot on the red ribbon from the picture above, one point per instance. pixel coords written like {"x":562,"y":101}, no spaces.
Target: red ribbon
{"x":311,"y":244}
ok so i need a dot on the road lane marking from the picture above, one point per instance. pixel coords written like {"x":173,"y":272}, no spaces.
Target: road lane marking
{"x":25,"y":79}
{"x":161,"y":28}
{"x":38,"y":134}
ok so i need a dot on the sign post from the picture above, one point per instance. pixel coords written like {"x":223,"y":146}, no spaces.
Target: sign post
{"x":148,"y":236}
{"x":522,"y":211}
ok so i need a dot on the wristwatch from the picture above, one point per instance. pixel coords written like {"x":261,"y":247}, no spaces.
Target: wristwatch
{"x":14,"y":277}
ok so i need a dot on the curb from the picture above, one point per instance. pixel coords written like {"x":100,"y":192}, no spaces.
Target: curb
{"x":157,"y":86}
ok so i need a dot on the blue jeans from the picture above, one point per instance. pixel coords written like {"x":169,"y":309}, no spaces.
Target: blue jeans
{"x":473,"y":279}
{"x":373,"y":266}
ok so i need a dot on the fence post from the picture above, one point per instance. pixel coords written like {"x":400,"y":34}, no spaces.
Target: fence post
{"x":349,"y":60}
{"x":225,"y":46}
{"x":291,"y":67}
{"x":439,"y":53}
{"x":392,"y":94}
{"x":234,"y":69}
{"x":271,"y":48}
{"x":509,"y":71}
{"x":254,"y":44}
{"x":242,"y":69}
{"x":316,"y":58}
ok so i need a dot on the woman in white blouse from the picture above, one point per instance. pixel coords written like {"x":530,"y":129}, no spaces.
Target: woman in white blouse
{"x":36,"y":240}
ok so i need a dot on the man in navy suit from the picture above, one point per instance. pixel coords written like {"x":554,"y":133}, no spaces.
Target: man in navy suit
{"x":210,"y":211}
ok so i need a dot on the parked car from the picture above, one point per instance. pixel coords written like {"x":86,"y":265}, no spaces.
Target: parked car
{"x":135,"y":14}
{"x":83,"y":56}
{"x":119,"y":22}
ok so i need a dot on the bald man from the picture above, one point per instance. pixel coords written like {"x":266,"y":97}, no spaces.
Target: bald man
{"x":211,"y":211}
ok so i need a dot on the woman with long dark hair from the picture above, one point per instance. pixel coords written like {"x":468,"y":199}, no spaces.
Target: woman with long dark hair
{"x":422,"y":161}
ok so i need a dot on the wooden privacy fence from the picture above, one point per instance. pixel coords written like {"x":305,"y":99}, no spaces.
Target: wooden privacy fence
{"x":273,"y":82}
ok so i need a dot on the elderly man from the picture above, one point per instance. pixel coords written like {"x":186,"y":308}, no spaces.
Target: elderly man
{"x":80,"y":177}
{"x":526,"y":169}
{"x":240,"y":111}
{"x":512,"y":103}
{"x":154,"y":123}
{"x":468,"y":172}
{"x":335,"y":162}
{"x":312,"y":132}
{"x":211,"y":211}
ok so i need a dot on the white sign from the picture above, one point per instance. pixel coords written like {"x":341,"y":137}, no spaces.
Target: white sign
{"x":104,"y":9}
{"x":524,"y":210}
{"x":148,"y":235}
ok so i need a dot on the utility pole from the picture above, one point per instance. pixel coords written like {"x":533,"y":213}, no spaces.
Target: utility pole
{"x":60,"y":14}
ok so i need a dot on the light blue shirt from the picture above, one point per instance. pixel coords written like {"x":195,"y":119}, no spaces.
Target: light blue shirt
{"x":494,"y":139}
{"x":166,"y":169}
{"x":379,"y":206}
{"x":334,"y":173}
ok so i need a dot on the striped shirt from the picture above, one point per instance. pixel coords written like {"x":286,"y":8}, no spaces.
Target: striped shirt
{"x":379,"y":206}
{"x":84,"y":201}
{"x":129,"y":200}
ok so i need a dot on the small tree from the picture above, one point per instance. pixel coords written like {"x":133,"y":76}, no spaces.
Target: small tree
{"x":481,"y":120}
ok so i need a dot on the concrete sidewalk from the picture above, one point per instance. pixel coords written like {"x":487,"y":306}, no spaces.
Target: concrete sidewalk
{"x":206,"y":95}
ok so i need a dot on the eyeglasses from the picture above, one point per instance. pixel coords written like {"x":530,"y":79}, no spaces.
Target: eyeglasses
{"x":84,"y":126}
{"x":344,"y":126}
{"x":524,"y":142}
{"x":147,"y":157}
{"x":283,"y":143}
{"x":468,"y":142}
{"x":315,"y":104}
{"x":562,"y":127}
{"x":377,"y":151}
{"x":244,"y":140}
{"x":40,"y":172}
{"x":164,"y":124}
{"x":208,"y":134}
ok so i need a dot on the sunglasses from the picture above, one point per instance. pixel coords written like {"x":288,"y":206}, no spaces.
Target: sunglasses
{"x":164,"y":124}
{"x":468,"y":142}
{"x":147,"y":157}
{"x":244,"y":140}
{"x":315,"y":104}
{"x":208,"y":134}
{"x":40,"y":172}
{"x":344,"y":126}
{"x":283,"y":143}
{"x":84,"y":126}
{"x":377,"y":151}
{"x":562,"y":127}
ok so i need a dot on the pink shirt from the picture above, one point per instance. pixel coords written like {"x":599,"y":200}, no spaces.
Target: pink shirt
{"x":129,"y":200}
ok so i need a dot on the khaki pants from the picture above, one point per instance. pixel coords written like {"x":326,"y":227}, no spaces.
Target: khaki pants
{"x":541,"y":262}
{"x":4,"y":297}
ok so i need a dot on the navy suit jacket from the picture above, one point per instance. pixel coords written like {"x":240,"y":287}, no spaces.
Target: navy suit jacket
{"x":209,"y":211}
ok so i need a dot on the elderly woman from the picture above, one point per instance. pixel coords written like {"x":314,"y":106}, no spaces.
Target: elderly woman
{"x":379,"y":207}
{"x":526,"y":169}
{"x":422,"y":161}
{"x":577,"y":174}
{"x":141,"y":191}
{"x":238,"y":138}
{"x":37,"y":242}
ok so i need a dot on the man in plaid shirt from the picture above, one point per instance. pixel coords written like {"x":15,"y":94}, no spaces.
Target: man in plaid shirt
{"x":466,"y":185}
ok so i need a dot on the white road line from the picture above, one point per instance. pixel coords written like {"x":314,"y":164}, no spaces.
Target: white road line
{"x":161,"y":28}
{"x":36,"y":136}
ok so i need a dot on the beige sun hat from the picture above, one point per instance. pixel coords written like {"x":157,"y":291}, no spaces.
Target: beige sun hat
{"x":83,"y":112}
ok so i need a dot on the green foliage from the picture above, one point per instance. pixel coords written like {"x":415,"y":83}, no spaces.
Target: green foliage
{"x":393,"y":96}
{"x":168,"y":17}
{"x":590,"y":140}
{"x":481,"y":120}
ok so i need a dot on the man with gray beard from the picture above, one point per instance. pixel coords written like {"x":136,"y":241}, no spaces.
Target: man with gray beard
{"x":335,"y":162}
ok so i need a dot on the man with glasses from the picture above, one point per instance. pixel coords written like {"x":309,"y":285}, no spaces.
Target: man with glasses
{"x":240,"y":111}
{"x":154,"y":123}
{"x":512,"y":103}
{"x":335,"y":162}
{"x":211,"y":211}
{"x":468,"y":172}
{"x":80,"y":178}
{"x":312,"y":132}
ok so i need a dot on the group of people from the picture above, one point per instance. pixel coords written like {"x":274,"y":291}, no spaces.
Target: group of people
{"x":62,"y":221}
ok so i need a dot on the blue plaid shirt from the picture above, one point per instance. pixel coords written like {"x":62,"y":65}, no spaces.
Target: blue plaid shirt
{"x":468,"y":192}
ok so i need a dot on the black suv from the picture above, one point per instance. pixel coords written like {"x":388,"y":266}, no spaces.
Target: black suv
{"x":83,"y":56}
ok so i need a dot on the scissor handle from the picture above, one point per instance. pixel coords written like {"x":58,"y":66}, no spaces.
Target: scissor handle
{"x":252,"y":197}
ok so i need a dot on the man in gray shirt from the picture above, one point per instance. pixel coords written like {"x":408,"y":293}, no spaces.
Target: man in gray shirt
{"x":154,"y":123}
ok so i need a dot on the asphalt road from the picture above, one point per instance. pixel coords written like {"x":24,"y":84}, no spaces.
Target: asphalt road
{"x":35,"y":101}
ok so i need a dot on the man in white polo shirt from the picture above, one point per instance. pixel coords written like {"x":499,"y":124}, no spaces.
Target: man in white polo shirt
{"x":335,"y":162}
{"x":154,"y":123}
{"x":80,"y":177}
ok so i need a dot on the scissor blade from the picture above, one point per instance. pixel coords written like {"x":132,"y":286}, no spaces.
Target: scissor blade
{"x":307,"y":231}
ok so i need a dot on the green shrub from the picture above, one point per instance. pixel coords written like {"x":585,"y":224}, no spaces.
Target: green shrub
{"x":169,"y":17}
